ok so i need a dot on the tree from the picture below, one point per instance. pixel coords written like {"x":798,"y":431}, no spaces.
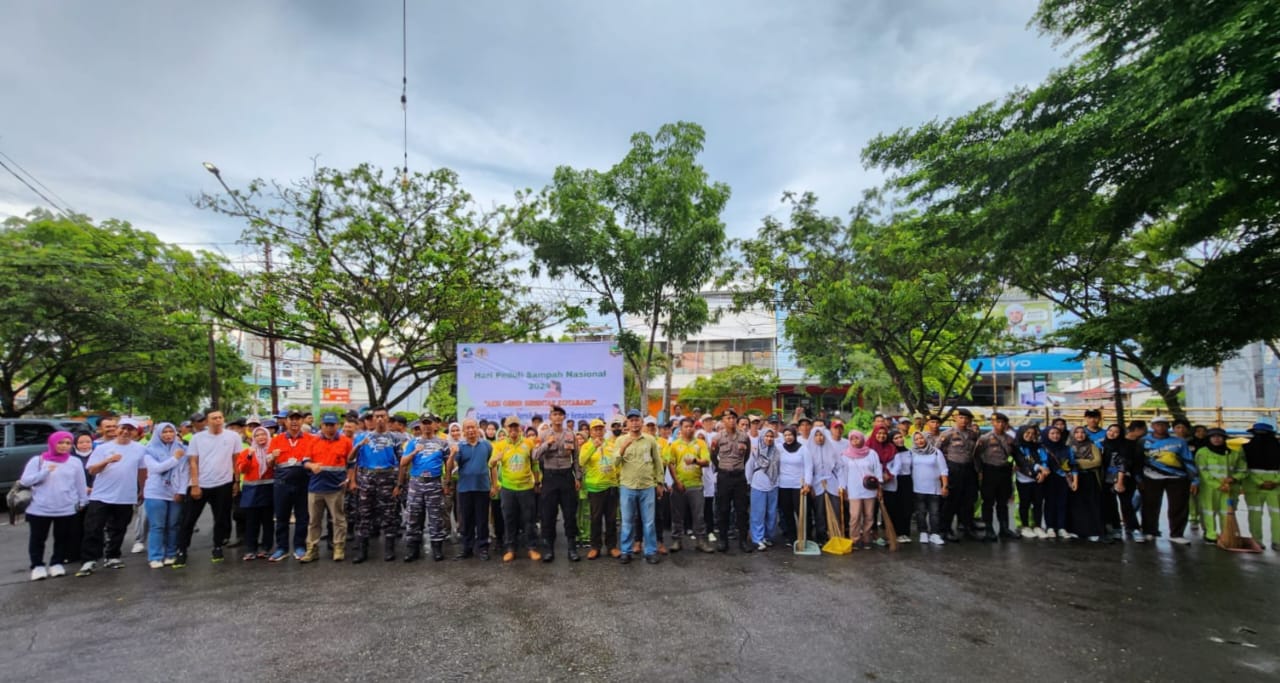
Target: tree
{"x":870,"y":285}
{"x":387,"y":276}
{"x":643,"y":236}
{"x":1167,"y":120}
{"x":85,"y":305}
{"x":176,"y":382}
{"x":736,"y":385}
{"x":443,"y":399}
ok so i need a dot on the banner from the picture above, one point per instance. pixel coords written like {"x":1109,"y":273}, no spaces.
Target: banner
{"x":499,"y":380}
{"x":335,"y":395}
{"x":1032,"y":318}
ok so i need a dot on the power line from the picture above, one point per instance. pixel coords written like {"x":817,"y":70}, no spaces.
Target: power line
{"x":31,"y":187}
{"x":35,"y":179}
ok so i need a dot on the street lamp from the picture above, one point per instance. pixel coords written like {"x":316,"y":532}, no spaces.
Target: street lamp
{"x":266,"y":254}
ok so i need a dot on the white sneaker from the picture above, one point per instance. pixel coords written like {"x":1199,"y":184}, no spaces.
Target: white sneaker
{"x":1063,"y":533}
{"x":87,"y":568}
{"x":168,"y":562}
{"x":904,"y":539}
{"x":39,"y":573}
{"x":1139,"y":537}
{"x":924,"y":538}
{"x":1027,"y":532}
{"x":711,"y":537}
{"x":156,"y":564}
{"x":137,"y":548}
{"x":113,"y":563}
{"x":936,"y":539}
{"x":1050,"y":533}
{"x":1095,"y":539}
{"x":57,"y":570}
{"x":1179,"y":540}
{"x":1040,"y":533}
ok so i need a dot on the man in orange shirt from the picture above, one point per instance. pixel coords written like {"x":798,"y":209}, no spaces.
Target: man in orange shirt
{"x":288,"y":450}
{"x":332,"y":474}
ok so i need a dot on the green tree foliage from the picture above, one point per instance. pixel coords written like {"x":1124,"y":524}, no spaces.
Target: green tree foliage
{"x":643,"y":236}
{"x":176,"y":381}
{"x":737,"y":385}
{"x":443,"y":398}
{"x":871,"y":286}
{"x":1165,"y":126}
{"x":387,"y":276}
{"x":87,"y":307}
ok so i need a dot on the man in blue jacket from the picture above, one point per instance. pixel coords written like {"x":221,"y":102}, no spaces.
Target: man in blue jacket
{"x":1170,"y":469}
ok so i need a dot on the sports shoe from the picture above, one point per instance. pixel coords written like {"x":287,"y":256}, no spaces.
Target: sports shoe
{"x":1094,"y":539}
{"x":278,"y":555}
{"x":87,"y":568}
{"x":924,"y":538}
{"x":113,"y":563}
{"x":1041,"y":533}
{"x":1063,"y":533}
{"x":168,"y":561}
{"x":217,"y":554}
{"x":298,"y":553}
{"x":248,"y":557}
{"x":880,"y":542}
{"x":39,"y":573}
{"x":1139,"y":537}
{"x":137,"y":548}
{"x":57,"y":570}
{"x":1027,"y":532}
{"x":155,"y":564}
{"x":762,"y":547}
{"x":935,"y":539}
{"x":1180,"y":540}
{"x":180,"y":560}
{"x":904,"y":539}
{"x":711,"y":537}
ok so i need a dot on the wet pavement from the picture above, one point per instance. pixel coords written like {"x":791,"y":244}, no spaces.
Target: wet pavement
{"x":1018,"y":611}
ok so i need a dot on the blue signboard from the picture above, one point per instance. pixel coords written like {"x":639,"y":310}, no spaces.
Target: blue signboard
{"x":1026,"y":363}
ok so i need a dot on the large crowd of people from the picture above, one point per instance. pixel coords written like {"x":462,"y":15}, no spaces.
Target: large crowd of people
{"x":627,"y":489}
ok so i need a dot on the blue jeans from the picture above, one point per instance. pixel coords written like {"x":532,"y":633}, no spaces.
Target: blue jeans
{"x":631,"y":499}
{"x":162,"y":531}
{"x":764,"y":515}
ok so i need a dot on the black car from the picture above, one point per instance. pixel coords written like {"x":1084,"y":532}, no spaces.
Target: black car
{"x":23,"y":438}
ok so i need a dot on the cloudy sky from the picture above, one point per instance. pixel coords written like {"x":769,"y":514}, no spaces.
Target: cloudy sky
{"x":113,"y":106}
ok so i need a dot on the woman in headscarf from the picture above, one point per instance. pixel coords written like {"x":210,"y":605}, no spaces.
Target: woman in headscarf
{"x":1060,"y":483}
{"x":764,"y":468}
{"x":83,"y":449}
{"x":163,"y":492}
{"x":257,"y":479}
{"x":883,"y":447}
{"x":1119,"y":459}
{"x":898,"y":492}
{"x":1031,"y":468}
{"x":790,"y":477}
{"x":822,"y":468}
{"x":1086,"y":497}
{"x":929,"y":481}
{"x":861,"y":482}
{"x":58,"y":490}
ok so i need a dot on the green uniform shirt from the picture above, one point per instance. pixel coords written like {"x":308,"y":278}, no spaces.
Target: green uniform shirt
{"x":640,"y":463}
{"x":599,"y":466}
{"x":1214,"y":467}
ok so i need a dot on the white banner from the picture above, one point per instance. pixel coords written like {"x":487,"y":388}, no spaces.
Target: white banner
{"x":499,"y":380}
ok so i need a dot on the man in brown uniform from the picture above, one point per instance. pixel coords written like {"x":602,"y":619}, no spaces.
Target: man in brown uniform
{"x":958,"y":445}
{"x":557,"y":454}
{"x":730,"y":448}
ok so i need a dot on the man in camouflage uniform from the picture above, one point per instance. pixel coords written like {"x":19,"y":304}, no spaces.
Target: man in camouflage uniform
{"x":377,"y":455}
{"x":423,"y":467}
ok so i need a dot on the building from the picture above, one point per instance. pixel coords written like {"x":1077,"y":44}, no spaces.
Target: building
{"x":341,"y":387}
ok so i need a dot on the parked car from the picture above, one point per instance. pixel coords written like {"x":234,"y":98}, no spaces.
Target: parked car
{"x":22,"y":438}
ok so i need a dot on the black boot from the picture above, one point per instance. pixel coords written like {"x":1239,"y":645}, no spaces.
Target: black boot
{"x":362,"y":551}
{"x":389,"y":548}
{"x":414,"y":552}
{"x":437,"y":550}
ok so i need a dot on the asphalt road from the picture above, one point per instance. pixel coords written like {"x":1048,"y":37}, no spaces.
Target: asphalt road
{"x":1021,"y":611}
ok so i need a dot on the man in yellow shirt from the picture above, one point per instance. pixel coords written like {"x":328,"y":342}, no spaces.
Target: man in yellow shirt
{"x":515,"y":475}
{"x":640,"y":480}
{"x":685,"y":458}
{"x":599,"y":463}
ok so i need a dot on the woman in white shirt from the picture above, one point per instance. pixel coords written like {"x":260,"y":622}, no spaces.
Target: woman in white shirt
{"x":929,"y":480}
{"x":790,"y":479}
{"x":861,"y":481}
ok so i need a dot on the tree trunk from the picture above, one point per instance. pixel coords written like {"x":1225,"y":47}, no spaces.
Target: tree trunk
{"x":666,"y":387}
{"x":1170,"y":395}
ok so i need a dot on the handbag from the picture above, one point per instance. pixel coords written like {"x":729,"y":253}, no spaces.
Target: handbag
{"x":18,"y":499}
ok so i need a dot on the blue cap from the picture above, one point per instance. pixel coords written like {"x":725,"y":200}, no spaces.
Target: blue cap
{"x":329,"y":419}
{"x":268,"y":424}
{"x":282,"y":414}
{"x":633,"y":413}
{"x":1262,"y":428}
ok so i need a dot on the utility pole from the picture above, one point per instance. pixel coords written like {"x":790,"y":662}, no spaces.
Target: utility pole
{"x":214,"y":390}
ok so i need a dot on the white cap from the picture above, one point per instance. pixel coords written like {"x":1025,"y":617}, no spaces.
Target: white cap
{"x":129,"y":422}
{"x":651,"y":420}
{"x":1159,"y":418}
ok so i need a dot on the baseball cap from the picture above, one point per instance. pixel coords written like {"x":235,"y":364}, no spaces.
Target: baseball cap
{"x":268,"y":424}
{"x":633,"y":413}
{"x":128,"y":422}
{"x":1160,"y":418}
{"x":650,"y":420}
{"x":329,"y":419}
{"x":293,"y":413}
{"x":615,"y":420}
{"x":512,"y":420}
{"x":252,"y":420}
{"x":597,"y":423}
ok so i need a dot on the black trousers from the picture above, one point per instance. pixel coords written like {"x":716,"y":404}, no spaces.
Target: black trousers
{"x":1153,"y":492}
{"x":732,"y":490}
{"x":105,"y":526}
{"x":473,"y":511}
{"x":901,"y":505}
{"x":997,"y":489}
{"x":258,"y":528}
{"x":517,"y":512}
{"x":500,"y":518}
{"x":1031,"y":504}
{"x":219,"y":499}
{"x":604,"y":518}
{"x":559,"y":493}
{"x":64,"y":532}
{"x":962,"y":486}
{"x":788,"y":512}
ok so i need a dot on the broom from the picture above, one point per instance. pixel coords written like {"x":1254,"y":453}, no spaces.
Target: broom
{"x":803,"y":546}
{"x":889,"y":531}
{"x":1229,"y":539}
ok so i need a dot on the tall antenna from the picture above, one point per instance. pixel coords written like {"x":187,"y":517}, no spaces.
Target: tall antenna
{"x":404,"y":89}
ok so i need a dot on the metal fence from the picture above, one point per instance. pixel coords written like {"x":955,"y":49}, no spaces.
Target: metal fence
{"x":1233,"y":419}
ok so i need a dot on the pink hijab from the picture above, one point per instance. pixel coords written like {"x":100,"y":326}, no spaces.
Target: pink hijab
{"x":52,"y":454}
{"x":858,"y":452}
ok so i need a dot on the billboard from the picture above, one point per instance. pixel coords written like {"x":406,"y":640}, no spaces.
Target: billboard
{"x":498,"y":380}
{"x":1033,"y":319}
{"x":335,"y":395}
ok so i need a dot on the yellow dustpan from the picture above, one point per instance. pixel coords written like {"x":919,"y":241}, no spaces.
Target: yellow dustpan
{"x":838,"y":544}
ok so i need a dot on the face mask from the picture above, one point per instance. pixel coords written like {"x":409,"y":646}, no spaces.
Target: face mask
{"x":617,"y":431}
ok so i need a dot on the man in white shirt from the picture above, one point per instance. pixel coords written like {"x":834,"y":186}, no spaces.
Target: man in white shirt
{"x":211,"y":455}
{"x":119,"y":469}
